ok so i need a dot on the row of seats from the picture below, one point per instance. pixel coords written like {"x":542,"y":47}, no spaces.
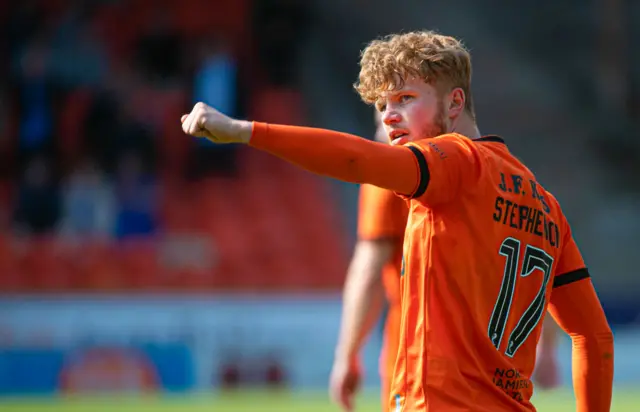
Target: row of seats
{"x":274,"y":227}
{"x":120,"y":24}
{"x":243,"y":262}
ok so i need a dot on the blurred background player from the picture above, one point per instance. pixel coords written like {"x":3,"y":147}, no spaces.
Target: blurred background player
{"x":374,"y":273}
{"x":546,"y":375}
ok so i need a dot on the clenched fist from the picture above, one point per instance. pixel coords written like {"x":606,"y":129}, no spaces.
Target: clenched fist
{"x":205,"y":121}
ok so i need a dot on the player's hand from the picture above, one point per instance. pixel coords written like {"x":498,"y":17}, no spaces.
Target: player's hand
{"x":205,"y":121}
{"x":344,"y":383}
{"x":546,"y":374}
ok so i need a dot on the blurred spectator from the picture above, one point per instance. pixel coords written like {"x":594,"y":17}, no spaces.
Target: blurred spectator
{"x":280,"y":30}
{"x":101,"y":126}
{"x":156,"y":44}
{"x":27,"y":19}
{"x":215,"y":77}
{"x":88,"y":203}
{"x":215,"y":82}
{"x":38,"y":202}
{"x":35,"y":97}
{"x":4,"y":114}
{"x":111,"y":129}
{"x":5,"y":131}
{"x":137,"y":197}
{"x":78,"y":56}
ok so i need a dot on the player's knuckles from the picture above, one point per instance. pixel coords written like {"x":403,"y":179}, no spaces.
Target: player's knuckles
{"x":197,"y":120}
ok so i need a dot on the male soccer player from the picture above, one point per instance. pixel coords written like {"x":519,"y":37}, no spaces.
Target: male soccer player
{"x":485,"y":243}
{"x":374,"y":273}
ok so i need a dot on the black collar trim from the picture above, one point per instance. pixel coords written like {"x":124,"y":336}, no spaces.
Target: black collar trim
{"x":490,"y":138}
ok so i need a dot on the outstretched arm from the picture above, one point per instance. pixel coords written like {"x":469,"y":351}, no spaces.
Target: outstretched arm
{"x":338,"y":155}
{"x":434,"y":171}
{"x":341,"y":156}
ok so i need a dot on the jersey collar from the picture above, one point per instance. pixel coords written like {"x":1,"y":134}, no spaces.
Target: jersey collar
{"x":490,"y":138}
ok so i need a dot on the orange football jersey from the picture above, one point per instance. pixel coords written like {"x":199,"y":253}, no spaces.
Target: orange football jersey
{"x":484,"y":245}
{"x":383,"y":215}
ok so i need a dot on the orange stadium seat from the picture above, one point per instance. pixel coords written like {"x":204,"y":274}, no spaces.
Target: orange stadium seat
{"x":42,"y":264}
{"x":198,"y":280}
{"x":176,"y":212}
{"x":276,"y":238}
{"x":174,"y":146}
{"x":11,"y":280}
{"x":116,"y":28}
{"x":227,"y":18}
{"x":277,"y":105}
{"x":6,"y":205}
{"x":97,"y":270}
{"x":139,"y":264}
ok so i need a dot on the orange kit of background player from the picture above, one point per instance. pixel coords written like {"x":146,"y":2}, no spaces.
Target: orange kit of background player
{"x":485,"y":244}
{"x":373,"y":277}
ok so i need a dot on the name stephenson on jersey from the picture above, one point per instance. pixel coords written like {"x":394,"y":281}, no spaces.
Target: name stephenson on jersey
{"x":522,"y":217}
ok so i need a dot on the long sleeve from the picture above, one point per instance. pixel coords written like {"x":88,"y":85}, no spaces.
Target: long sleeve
{"x":576,"y":308}
{"x":341,"y":156}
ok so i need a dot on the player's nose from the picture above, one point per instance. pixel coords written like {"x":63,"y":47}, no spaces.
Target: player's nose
{"x":390,"y":117}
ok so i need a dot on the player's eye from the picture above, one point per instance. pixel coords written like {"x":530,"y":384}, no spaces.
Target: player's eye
{"x":382,"y":107}
{"x":405,"y":98}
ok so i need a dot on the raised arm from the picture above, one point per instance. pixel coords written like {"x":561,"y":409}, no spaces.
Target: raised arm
{"x":338,"y":155}
{"x":341,"y":155}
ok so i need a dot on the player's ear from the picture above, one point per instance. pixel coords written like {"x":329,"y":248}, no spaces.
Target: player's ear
{"x":456,"y":102}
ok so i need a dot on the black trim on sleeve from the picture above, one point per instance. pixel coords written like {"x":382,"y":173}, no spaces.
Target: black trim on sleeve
{"x":571,"y":277}
{"x":424,"y":172}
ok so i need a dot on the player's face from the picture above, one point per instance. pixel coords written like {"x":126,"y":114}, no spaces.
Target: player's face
{"x":414,"y":112}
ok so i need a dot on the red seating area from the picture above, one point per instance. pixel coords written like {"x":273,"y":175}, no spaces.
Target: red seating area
{"x":275,"y":228}
{"x":272,"y":228}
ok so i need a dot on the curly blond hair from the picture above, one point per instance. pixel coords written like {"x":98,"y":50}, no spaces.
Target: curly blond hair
{"x":439,"y":60}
